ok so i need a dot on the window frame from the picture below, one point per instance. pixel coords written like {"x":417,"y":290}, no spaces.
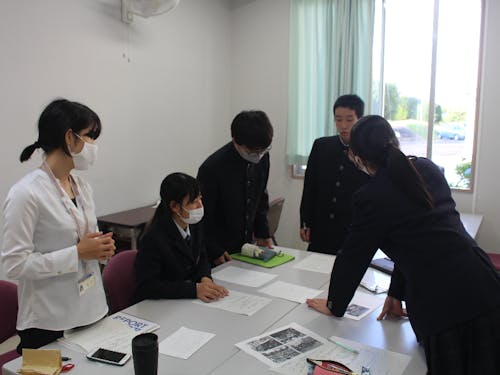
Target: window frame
{"x":298,"y":171}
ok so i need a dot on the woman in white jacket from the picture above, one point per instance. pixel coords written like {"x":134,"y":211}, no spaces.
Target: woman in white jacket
{"x":51,"y":244}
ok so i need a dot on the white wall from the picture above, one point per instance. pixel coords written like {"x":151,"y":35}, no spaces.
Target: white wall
{"x":260,"y":45}
{"x":164,"y":110}
{"x":190,"y":72}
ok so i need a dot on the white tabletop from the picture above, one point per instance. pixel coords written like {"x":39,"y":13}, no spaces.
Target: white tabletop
{"x":220,"y":355}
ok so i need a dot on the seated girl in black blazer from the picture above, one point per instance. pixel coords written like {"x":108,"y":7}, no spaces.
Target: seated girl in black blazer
{"x":172,"y":260}
{"x":451,"y":290}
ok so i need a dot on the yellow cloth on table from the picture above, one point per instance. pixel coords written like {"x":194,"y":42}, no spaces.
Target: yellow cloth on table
{"x":41,"y":362}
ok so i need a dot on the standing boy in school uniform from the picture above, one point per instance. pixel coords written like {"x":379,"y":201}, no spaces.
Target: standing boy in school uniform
{"x":330,"y":181}
{"x":234,"y":188}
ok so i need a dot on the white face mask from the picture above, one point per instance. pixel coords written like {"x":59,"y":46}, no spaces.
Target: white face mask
{"x":86,"y":157}
{"x":252,"y":157}
{"x":195,"y":215}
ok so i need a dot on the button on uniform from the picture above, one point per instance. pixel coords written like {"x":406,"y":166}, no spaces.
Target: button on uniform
{"x":332,"y":216}
{"x":337,"y":184}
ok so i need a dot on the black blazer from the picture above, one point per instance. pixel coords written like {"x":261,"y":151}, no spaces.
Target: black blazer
{"x":326,"y":206}
{"x":166,"y":266}
{"x":235,"y":198}
{"x":441,"y":273}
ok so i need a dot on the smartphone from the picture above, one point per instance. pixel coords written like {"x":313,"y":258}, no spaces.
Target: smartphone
{"x":108,"y":356}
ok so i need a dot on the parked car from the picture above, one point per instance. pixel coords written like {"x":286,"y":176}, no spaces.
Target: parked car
{"x":451,"y":131}
{"x":405,"y":134}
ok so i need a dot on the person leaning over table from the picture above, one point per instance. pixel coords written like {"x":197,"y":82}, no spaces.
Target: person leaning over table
{"x":329,"y":182}
{"x":51,"y":243}
{"x":234,"y":186}
{"x":171,"y":260}
{"x":451,"y":289}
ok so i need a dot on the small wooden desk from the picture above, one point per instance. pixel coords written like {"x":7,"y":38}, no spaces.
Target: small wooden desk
{"x":127,"y":224}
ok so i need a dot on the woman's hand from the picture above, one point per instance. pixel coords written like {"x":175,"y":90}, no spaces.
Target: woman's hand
{"x":208,"y":291}
{"x":319,"y":304}
{"x":96,"y":246}
{"x":305,"y":234}
{"x":392,"y":309}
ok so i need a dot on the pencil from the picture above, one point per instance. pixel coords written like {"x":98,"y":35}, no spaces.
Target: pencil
{"x":348,"y":348}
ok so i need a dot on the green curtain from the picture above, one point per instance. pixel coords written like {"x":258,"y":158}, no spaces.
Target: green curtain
{"x":330,"y":55}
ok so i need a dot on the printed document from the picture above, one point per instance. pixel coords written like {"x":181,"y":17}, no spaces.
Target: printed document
{"x":242,"y":276}
{"x":238,"y":302}
{"x":380,"y":362}
{"x":322,"y":263}
{"x":291,"y":292}
{"x":363,"y":304}
{"x":282,"y":345}
{"x":114,"y":332}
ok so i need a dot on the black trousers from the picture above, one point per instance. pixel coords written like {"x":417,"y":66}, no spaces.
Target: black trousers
{"x":470,"y":348}
{"x":34,"y":338}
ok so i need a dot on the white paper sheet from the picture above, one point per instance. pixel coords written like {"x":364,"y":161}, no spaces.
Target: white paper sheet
{"x":380,"y":362}
{"x":239,"y":303}
{"x":317,"y":263}
{"x":363,"y":304}
{"x":291,"y":292}
{"x":184,"y":342}
{"x":376,"y":281}
{"x":280,"y":346}
{"x":243,"y":276}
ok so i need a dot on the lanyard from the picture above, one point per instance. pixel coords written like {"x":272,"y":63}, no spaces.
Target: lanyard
{"x":66,"y":201}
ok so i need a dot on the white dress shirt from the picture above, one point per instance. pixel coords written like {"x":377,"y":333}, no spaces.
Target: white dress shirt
{"x":39,"y":250}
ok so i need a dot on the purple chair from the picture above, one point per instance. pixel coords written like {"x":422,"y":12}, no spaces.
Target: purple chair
{"x":495,"y":259}
{"x":8,"y":317}
{"x":119,"y":280}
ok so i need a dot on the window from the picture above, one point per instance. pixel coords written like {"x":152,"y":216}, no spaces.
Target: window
{"x":424,"y":80}
{"x":426,"y":59}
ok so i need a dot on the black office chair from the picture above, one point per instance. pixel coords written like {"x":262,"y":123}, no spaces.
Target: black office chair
{"x":274,"y":215}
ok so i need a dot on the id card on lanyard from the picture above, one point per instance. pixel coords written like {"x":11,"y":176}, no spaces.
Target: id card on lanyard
{"x":88,"y":280}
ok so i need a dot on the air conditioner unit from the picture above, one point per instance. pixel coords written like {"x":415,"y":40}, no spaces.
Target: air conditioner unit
{"x":145,"y":8}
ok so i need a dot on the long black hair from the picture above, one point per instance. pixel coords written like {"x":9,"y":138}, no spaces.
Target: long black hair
{"x":175,"y":187}
{"x":56,"y":119}
{"x":374,"y":140}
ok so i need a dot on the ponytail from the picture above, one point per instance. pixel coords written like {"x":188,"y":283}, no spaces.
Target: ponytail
{"x":28,"y":151}
{"x":404,"y":175}
{"x":374,"y":140}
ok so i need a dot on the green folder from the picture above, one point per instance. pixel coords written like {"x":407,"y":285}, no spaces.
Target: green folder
{"x":273,"y":262}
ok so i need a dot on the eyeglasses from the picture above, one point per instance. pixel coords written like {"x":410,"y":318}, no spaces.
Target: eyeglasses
{"x":259,"y":151}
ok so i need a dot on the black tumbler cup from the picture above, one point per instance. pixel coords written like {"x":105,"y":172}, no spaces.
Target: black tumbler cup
{"x":145,"y":353}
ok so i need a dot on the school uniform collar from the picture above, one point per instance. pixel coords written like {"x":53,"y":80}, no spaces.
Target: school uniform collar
{"x":184,"y":232}
{"x":173,"y":231}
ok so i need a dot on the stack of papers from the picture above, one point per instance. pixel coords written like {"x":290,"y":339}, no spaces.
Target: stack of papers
{"x":114,"y":332}
{"x":375,"y":281}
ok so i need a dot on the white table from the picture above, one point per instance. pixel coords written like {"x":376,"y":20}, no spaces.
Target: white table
{"x":220,"y":355}
{"x":471,"y":222}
